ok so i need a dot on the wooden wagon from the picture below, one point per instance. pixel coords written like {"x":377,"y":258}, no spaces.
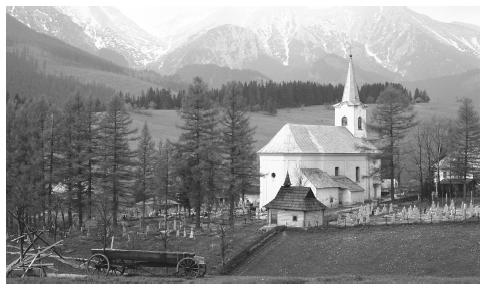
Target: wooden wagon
{"x":116,"y":261}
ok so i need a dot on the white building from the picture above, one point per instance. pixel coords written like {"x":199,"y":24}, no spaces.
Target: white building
{"x":334,"y":161}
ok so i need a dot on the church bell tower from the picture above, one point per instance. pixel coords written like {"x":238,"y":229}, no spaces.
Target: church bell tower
{"x":350,"y":112}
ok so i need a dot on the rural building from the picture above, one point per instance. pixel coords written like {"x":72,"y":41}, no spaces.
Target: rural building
{"x":451,"y":182}
{"x":341,"y":169}
{"x":295,"y":206}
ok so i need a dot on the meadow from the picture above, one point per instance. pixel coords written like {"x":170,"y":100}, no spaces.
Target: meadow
{"x":163,"y":124}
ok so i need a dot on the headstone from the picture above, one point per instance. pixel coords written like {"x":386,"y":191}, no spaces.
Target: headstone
{"x":385,"y":209}
{"x":147,"y":229}
{"x":184,"y":233}
{"x":377,"y":211}
{"x":452,"y":204}
{"x":177,"y":233}
{"x":192,"y":236}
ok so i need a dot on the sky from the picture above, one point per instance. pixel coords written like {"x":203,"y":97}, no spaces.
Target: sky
{"x":148,"y":18}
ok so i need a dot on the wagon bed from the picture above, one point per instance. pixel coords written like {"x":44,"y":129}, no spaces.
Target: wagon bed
{"x":115,"y":261}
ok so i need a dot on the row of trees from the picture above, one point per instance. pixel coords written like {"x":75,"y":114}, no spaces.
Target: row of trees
{"x":417,"y":147}
{"x":269,"y":96}
{"x":64,"y":159}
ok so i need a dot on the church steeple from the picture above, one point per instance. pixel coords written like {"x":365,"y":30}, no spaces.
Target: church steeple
{"x":350,"y":112}
{"x":350,"y":93}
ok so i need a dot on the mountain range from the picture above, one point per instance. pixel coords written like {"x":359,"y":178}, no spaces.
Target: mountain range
{"x":278,"y":43}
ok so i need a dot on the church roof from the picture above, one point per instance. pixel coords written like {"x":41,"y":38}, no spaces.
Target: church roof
{"x":319,"y":178}
{"x":347,"y":183}
{"x":296,"y":138}
{"x":297,"y":198}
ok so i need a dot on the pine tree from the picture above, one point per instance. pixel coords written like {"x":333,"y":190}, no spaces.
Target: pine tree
{"x":199,"y":122}
{"x":467,"y":140}
{"x":237,"y":146}
{"x":117,"y":160}
{"x":145,"y":167}
{"x":392,"y":119}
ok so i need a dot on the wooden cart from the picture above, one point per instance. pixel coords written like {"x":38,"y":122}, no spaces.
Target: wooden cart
{"x":115,"y":261}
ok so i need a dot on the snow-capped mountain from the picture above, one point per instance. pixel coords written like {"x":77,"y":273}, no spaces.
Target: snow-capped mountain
{"x":282,"y":43}
{"x":94,"y":29}
{"x":395,"y":41}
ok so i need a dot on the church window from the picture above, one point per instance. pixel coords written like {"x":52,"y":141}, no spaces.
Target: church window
{"x":344,"y":121}
{"x":359,"y":123}
{"x":294,"y":218}
{"x":336,"y":171}
{"x":273,"y":175}
{"x":357,"y":174}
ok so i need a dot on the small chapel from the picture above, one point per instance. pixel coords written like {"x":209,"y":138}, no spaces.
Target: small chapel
{"x":334,"y":161}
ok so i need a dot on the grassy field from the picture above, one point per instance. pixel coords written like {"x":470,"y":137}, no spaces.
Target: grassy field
{"x":206,"y":244}
{"x":432,"y":253}
{"x":163,"y":123}
{"x":394,"y":252}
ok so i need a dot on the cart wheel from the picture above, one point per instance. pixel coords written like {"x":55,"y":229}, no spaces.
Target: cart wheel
{"x":98,"y":264}
{"x":187,"y":267}
{"x":118,"y":269}
{"x":202,"y":270}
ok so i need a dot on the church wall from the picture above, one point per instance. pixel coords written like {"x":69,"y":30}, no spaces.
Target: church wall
{"x":324,"y":196}
{"x":357,"y":197}
{"x":279,"y":164}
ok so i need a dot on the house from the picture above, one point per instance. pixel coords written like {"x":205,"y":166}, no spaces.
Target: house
{"x":341,"y":161}
{"x":451,"y":182}
{"x":295,"y":206}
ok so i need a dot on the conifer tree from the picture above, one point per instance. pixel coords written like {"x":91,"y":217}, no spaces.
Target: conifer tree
{"x":467,"y":140}
{"x":237,"y":147}
{"x":117,"y":160}
{"x":391,"y":119}
{"x":199,"y":118}
{"x":145,"y":167}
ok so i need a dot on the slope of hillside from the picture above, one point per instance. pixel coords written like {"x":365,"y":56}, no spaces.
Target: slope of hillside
{"x":448,"y":89}
{"x":216,"y":76}
{"x":163,"y":123}
{"x":59,"y":58}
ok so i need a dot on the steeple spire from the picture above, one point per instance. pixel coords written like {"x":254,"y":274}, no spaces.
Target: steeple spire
{"x":287,"y":182}
{"x":350,"y":93}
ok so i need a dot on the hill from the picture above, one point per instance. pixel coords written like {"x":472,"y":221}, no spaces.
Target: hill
{"x":58,"y":58}
{"x":163,"y":123}
{"x":216,"y":76}
{"x":449,"y":88}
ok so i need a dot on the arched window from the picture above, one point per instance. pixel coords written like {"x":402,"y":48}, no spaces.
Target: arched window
{"x":359,"y":123}
{"x":344,"y":121}
{"x":357,"y":172}
{"x":336,"y":171}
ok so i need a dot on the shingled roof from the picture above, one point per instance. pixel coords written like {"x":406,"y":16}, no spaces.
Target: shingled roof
{"x":296,"y":138}
{"x":319,"y":178}
{"x":295,"y":198}
{"x":348,"y":183}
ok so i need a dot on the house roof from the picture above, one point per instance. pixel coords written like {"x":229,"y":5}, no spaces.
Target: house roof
{"x":297,"y":138}
{"x":295,"y":198}
{"x":347,"y":183}
{"x":318,"y":178}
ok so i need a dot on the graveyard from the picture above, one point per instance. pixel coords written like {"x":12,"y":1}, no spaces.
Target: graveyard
{"x":406,"y":213}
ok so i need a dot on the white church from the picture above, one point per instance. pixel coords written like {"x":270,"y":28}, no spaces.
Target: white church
{"x":334,"y":161}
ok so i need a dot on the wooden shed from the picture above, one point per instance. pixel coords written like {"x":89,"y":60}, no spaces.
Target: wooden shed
{"x":295,"y":206}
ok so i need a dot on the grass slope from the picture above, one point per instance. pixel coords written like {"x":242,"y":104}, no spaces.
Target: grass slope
{"x":163,"y":123}
{"x":445,"y":250}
